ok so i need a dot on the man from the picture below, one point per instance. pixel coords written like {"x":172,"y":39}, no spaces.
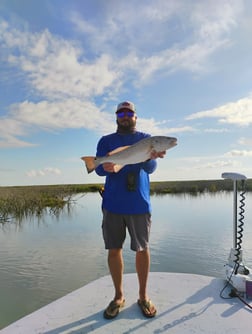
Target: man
{"x":126,"y":204}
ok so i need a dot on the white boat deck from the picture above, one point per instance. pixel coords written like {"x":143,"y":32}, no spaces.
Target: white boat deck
{"x":186,"y":303}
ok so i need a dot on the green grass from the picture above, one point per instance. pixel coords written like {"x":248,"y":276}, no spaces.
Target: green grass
{"x":22,"y":202}
{"x":195,"y":187}
{"x":25,"y":201}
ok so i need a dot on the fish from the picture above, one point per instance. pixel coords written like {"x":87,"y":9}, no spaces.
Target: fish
{"x":133,"y":154}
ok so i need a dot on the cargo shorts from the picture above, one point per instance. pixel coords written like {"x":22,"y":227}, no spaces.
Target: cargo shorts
{"x":114,"y":227}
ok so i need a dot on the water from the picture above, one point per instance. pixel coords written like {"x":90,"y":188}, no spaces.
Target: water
{"x":43,"y":260}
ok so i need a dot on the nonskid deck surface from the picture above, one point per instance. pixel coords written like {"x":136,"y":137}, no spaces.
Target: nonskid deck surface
{"x":186,"y":303}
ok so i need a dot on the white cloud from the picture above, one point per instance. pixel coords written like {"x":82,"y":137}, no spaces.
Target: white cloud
{"x":215,"y":19}
{"x":160,"y":128}
{"x":10,"y":130}
{"x":43,"y":172}
{"x":12,"y":141}
{"x":59,"y":68}
{"x":208,"y":162}
{"x":237,"y":113}
{"x":224,"y":130}
{"x":67,"y":76}
{"x":203,"y":167}
{"x":245,"y":141}
{"x":70,"y":113}
{"x":218,"y":164}
{"x":239,"y":153}
{"x":167,"y":47}
{"x":56,"y":68}
{"x":74,"y":113}
{"x":117,"y":29}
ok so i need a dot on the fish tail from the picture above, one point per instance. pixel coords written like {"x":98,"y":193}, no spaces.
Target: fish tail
{"x":90,"y":163}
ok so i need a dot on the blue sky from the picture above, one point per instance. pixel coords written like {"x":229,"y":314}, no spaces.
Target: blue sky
{"x":65,"y":65}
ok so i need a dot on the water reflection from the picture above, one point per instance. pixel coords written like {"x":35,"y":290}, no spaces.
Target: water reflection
{"x":43,"y":259}
{"x":194,"y":234}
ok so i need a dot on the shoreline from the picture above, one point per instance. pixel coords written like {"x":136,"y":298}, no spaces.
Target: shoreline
{"x":185,"y":186}
{"x":19,"y":202}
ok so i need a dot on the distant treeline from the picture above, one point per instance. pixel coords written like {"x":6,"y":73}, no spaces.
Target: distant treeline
{"x":59,"y":192}
{"x":175,"y":187}
{"x":20,"y":202}
{"x":194,"y":187}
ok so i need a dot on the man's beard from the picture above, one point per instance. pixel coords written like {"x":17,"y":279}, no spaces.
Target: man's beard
{"x":128,"y":126}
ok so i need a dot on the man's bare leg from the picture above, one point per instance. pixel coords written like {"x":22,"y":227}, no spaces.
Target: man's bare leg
{"x":116,"y":266}
{"x":143,"y":268}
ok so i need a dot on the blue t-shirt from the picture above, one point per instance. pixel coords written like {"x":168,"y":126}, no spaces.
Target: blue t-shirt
{"x":128,"y":191}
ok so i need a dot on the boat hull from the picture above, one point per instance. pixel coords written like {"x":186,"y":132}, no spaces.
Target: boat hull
{"x":186,"y":303}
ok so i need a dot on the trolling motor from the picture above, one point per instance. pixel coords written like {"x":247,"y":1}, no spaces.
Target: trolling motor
{"x":237,"y":274}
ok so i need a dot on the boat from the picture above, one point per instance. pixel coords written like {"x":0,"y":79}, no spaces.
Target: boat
{"x":186,"y":303}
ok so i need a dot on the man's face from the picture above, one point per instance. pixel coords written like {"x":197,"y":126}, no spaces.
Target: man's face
{"x":126,"y":119}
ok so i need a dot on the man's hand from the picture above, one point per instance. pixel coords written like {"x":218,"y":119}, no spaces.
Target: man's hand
{"x":155,"y":154}
{"x":109,"y":167}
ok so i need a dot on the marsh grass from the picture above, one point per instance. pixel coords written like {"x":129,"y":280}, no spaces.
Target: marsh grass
{"x":196,"y":187}
{"x":19,"y":203}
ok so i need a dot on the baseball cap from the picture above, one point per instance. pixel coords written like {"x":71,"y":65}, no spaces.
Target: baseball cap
{"x":126,"y":105}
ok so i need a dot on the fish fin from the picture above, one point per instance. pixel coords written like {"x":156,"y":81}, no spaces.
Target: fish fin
{"x":118,"y":149}
{"x":90,"y":163}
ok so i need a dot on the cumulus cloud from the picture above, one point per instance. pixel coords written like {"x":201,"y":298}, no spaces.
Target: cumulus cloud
{"x":245,"y":141}
{"x":211,"y":130}
{"x":170,"y":49}
{"x":8,"y":141}
{"x":209,"y":162}
{"x":161,"y":128}
{"x":43,"y":172}
{"x":236,"y":113}
{"x":74,"y":113}
{"x":57,"y":68}
{"x":65,"y":77}
{"x":239,"y":153}
{"x":10,"y":131}
{"x":218,"y":164}
{"x":70,"y":113}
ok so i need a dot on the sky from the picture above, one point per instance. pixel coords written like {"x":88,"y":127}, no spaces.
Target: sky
{"x":66,"y":64}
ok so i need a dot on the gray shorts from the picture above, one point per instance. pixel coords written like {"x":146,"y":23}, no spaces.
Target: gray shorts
{"x":114,"y":230}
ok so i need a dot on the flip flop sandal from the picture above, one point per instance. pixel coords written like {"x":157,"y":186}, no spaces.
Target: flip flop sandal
{"x":147,"y":307}
{"x":113,"y":309}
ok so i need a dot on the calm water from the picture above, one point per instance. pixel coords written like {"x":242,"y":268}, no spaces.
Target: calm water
{"x":41,"y":261}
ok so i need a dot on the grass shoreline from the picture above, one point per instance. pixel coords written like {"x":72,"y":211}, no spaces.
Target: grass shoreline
{"x":19,"y":202}
{"x":179,"y":187}
{"x":191,"y":186}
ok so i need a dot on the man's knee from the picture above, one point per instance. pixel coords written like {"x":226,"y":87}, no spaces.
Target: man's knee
{"x":114,"y":252}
